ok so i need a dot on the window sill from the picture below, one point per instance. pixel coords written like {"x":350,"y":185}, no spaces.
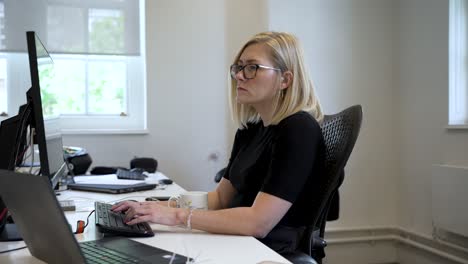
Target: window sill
{"x":457,"y":127}
{"x":105,"y":131}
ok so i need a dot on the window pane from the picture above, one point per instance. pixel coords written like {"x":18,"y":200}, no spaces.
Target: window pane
{"x":48,"y":97}
{"x":458,"y":68}
{"x":3,"y":88}
{"x":107,"y":87}
{"x":106,"y":31}
{"x":69,"y":86}
{"x":65,"y":29}
{"x":2,"y":25}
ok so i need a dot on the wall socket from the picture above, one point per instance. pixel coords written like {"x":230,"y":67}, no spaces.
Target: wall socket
{"x":214,"y":156}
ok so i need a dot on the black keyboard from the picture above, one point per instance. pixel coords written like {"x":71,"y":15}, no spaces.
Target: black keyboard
{"x":134,"y":174}
{"x":98,"y":254}
{"x":108,"y":221}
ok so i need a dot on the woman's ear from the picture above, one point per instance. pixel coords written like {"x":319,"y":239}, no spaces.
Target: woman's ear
{"x":286,"y":79}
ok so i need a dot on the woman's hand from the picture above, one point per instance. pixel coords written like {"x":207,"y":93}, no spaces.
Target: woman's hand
{"x":124,"y":206}
{"x":137,"y":212}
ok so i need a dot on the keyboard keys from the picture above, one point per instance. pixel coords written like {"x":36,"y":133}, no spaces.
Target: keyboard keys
{"x":98,"y":254}
{"x":112,"y":222}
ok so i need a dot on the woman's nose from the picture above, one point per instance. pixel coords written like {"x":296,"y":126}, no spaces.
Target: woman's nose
{"x":240,"y":75}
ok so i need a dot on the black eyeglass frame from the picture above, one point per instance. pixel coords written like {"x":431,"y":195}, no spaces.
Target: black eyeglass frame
{"x":235,"y":69}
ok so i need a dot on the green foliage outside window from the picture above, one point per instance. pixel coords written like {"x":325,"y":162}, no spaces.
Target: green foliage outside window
{"x":76,"y":85}
{"x":107,"y":34}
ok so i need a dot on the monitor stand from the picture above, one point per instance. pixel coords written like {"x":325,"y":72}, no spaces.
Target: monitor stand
{"x":10,"y":233}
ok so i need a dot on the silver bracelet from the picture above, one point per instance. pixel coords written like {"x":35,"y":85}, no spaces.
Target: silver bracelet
{"x":189,"y":219}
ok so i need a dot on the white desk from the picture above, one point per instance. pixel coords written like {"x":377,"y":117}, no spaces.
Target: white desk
{"x":203,"y":247}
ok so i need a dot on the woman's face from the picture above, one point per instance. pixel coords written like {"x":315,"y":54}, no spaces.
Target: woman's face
{"x":260,"y":90}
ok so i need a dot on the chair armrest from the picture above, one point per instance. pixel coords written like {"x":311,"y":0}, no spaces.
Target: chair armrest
{"x":317,"y":242}
{"x":299,"y":257}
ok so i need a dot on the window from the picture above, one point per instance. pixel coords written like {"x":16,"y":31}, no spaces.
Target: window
{"x":458,"y":64}
{"x":3,"y":88}
{"x":97,"y":79}
{"x":3,"y":75}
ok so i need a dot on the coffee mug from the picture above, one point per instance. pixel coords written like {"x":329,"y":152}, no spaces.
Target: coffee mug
{"x":194,"y":200}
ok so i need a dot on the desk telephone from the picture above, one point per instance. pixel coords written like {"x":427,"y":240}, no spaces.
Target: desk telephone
{"x":78,"y":160}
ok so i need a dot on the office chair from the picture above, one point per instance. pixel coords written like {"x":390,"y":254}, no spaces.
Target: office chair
{"x":340,"y":132}
{"x":219,"y":174}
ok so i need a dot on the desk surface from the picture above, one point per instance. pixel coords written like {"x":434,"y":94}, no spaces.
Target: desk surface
{"x":203,"y":247}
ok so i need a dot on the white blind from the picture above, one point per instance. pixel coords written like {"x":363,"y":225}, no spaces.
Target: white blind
{"x":72,"y":26}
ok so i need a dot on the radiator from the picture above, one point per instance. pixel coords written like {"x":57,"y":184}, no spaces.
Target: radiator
{"x":450,"y":198}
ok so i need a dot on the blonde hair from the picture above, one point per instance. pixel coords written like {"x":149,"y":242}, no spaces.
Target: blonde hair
{"x":286,"y":54}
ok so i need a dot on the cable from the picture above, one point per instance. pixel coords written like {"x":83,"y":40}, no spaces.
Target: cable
{"x":31,"y":146}
{"x":28,"y":146}
{"x":10,"y":250}
{"x":126,"y":198}
{"x":20,"y":137}
{"x":82,"y":198}
{"x":3,"y":213}
{"x":80,"y":225}
{"x":87,"y":219}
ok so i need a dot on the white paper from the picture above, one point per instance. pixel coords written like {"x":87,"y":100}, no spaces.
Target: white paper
{"x":104,"y":179}
{"x":155,"y":177}
{"x":112,"y":179}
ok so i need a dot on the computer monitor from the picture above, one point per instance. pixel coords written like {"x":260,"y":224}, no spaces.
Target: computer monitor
{"x":47,"y":133}
{"x":47,"y":126}
{"x":8,"y":142}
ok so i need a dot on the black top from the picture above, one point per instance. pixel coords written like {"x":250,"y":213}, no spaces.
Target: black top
{"x":282,"y":160}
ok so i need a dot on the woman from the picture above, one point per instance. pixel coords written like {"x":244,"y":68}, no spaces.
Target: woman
{"x":277,"y":153}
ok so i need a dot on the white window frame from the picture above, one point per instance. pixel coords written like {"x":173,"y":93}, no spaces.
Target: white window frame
{"x":18,"y":81}
{"x":4,"y":111}
{"x":458,"y":64}
{"x":133,"y":122}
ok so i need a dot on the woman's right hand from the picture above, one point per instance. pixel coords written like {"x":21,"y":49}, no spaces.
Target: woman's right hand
{"x":124,"y":206}
{"x":155,"y":212}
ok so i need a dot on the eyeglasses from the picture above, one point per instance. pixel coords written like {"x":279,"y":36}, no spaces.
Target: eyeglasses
{"x":249,"y":70}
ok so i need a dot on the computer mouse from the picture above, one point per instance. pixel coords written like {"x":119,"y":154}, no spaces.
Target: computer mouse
{"x":165,"y":181}
{"x":157,"y":198}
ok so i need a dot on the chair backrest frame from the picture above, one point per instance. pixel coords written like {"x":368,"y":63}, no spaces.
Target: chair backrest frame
{"x":340,"y":132}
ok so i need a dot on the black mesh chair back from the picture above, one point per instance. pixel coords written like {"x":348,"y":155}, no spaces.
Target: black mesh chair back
{"x":340,"y":132}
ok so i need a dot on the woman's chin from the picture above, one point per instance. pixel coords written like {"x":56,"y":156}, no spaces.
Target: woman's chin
{"x":243,"y":101}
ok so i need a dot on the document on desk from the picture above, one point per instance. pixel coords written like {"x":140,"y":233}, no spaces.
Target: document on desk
{"x":104,"y":179}
{"x":155,"y":177}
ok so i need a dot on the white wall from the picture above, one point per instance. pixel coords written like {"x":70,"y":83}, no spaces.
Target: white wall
{"x":391,"y":57}
{"x":349,"y":47}
{"x":423,"y":92}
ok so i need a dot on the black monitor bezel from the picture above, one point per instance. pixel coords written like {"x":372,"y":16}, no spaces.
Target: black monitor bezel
{"x":8,"y":134}
{"x":34,"y":96}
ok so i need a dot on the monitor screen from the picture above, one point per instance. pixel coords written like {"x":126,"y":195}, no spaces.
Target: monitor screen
{"x":8,"y":132}
{"x":45,"y":121}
